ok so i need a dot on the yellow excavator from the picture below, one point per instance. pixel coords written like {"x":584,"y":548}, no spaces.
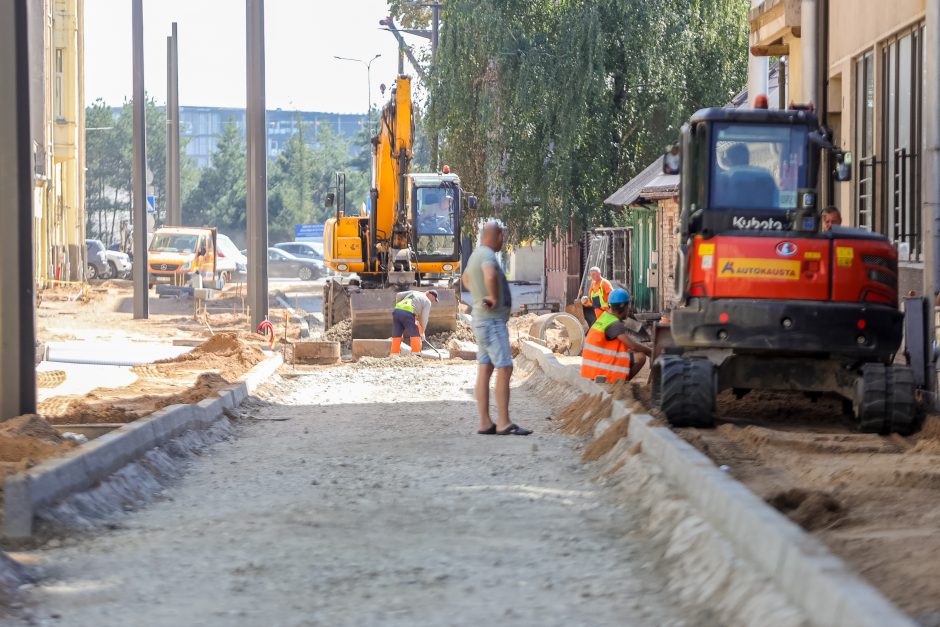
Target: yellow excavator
{"x":407,"y":238}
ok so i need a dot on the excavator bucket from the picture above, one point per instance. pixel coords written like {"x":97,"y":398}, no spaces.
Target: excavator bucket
{"x":371,"y":313}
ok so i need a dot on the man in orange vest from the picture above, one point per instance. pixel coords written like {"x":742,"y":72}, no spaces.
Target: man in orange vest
{"x":608,"y":350}
{"x":598,"y":294}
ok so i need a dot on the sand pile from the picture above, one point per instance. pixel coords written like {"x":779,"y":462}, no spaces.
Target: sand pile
{"x":582,"y":414}
{"x":201,"y":373}
{"x":26,"y":441}
{"x":229,"y":353}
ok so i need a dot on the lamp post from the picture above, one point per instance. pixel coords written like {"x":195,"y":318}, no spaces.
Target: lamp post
{"x":368,"y":78}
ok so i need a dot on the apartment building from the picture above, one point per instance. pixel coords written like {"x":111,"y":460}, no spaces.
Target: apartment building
{"x":58,"y":131}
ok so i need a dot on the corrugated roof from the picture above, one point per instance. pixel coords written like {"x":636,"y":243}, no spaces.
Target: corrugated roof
{"x":663,"y":186}
{"x":652,"y":184}
{"x":629,"y":193}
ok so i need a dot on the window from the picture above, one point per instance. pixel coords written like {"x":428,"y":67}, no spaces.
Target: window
{"x":902,"y":97}
{"x":435,"y":215}
{"x":864,"y":144}
{"x":59,"y":84}
{"x":757,"y":166}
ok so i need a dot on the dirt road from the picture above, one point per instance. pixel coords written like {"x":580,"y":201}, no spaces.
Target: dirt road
{"x":363,"y":496}
{"x":872,"y":499}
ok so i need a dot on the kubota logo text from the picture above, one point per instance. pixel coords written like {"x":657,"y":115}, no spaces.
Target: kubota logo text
{"x":766,"y":269}
{"x":755,"y":224}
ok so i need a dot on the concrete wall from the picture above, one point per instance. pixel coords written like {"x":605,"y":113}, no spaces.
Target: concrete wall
{"x":527,"y":263}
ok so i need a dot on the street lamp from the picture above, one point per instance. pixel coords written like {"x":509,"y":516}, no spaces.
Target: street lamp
{"x":368,"y":78}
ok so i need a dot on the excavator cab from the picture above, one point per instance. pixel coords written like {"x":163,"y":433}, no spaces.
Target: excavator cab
{"x":436,"y":201}
{"x":767,"y":299}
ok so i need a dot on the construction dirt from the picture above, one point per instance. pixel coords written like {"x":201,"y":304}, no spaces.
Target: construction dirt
{"x":27,"y":440}
{"x":189,"y":378}
{"x":104,"y":311}
{"x":872,"y":499}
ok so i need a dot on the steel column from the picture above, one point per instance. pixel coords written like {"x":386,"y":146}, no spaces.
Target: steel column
{"x":139,"y":166}
{"x":174,"y":214}
{"x":17,"y":297}
{"x":257,"y":167}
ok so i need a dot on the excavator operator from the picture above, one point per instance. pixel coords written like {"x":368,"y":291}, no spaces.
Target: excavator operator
{"x":409,"y":307}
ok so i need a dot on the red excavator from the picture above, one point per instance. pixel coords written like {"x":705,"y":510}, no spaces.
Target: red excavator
{"x":767,"y":299}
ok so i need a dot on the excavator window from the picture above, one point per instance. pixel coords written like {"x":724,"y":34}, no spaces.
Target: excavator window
{"x":757,"y":166}
{"x":435,"y":214}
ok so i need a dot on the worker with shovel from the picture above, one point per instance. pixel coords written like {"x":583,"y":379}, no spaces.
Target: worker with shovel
{"x":410,"y":307}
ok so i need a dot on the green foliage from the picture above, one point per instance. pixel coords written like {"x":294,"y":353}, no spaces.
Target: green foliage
{"x":545,"y":107}
{"x":301,"y":176}
{"x":220,"y":197}
{"x":109,"y":153}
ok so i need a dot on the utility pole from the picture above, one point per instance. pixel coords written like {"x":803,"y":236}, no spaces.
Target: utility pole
{"x":257,"y":167}
{"x":17,"y":299}
{"x":174,"y":213}
{"x":435,"y":30}
{"x":139,"y":166}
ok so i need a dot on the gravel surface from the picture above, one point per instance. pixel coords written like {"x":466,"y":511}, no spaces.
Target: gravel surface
{"x":363,"y":496}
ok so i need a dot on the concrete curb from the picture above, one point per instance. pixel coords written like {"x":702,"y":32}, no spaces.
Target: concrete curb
{"x":26,"y":492}
{"x":803,"y":568}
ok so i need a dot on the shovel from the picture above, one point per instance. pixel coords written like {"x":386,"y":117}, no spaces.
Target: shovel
{"x":439,"y":356}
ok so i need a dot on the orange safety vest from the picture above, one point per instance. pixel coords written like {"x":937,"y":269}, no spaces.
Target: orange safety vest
{"x":598,"y":294}
{"x":601,"y":356}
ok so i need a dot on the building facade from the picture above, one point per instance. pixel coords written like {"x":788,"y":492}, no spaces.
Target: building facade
{"x":58,"y":131}
{"x":201,"y":127}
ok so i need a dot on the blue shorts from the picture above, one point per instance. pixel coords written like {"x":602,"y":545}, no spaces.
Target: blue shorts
{"x":404,"y":323}
{"x":493,"y":343}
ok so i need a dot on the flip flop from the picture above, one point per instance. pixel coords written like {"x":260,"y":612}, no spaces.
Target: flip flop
{"x":514,"y":429}
{"x":490,"y":431}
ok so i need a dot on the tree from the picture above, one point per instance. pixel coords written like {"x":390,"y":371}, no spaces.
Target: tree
{"x":545,"y":107}
{"x":303,"y":174}
{"x":109,"y":150}
{"x":220,"y":197}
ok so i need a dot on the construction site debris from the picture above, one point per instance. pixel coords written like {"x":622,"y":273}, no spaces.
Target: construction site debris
{"x":26,"y":441}
{"x":394,"y":363}
{"x":50,"y":378}
{"x":464,"y":333}
{"x":340,"y":332}
{"x":189,"y":378}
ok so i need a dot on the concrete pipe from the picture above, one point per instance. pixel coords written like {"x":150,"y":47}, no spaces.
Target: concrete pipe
{"x":569,"y":323}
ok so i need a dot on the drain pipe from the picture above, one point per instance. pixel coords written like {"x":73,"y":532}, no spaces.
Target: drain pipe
{"x":931,"y":166}
{"x":930,"y":182}
{"x":809,"y":45}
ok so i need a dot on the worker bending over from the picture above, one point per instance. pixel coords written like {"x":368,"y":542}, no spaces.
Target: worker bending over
{"x":597,"y":296}
{"x":411,"y":306}
{"x":608,"y":350}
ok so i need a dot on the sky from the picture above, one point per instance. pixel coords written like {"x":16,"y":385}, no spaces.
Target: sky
{"x":301,"y":38}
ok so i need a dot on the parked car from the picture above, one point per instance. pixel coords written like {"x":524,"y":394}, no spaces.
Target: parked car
{"x":119,"y":264}
{"x":305,"y":250}
{"x":177,"y":253}
{"x":283,"y":264}
{"x":98,"y":267}
{"x":229,"y":259}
